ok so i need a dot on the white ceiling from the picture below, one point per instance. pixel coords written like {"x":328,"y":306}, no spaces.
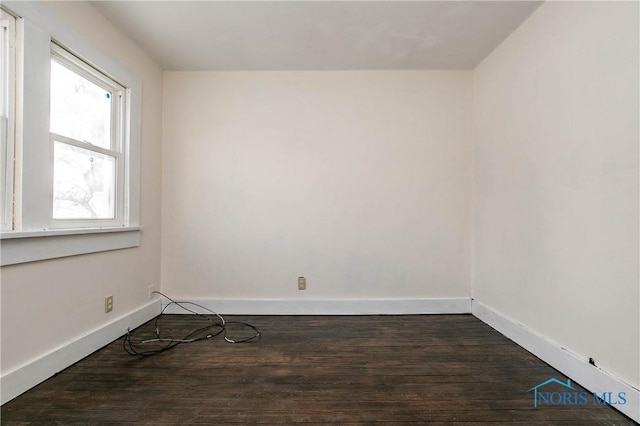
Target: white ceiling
{"x":317,"y":35}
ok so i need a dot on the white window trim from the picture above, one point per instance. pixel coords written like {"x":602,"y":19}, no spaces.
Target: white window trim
{"x":32,"y":238}
{"x":23,"y":247}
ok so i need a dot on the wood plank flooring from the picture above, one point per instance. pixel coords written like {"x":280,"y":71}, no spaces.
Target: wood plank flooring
{"x":415,"y":369}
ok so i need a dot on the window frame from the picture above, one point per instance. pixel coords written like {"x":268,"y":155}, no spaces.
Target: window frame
{"x":117,"y":145}
{"x":33,"y":238}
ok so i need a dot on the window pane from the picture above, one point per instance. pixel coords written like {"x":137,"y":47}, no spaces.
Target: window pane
{"x":7,"y":117}
{"x":83,"y":183}
{"x":4,"y":67}
{"x":79,"y":109}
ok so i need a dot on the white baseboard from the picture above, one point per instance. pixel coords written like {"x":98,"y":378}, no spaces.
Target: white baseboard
{"x":34,"y":372}
{"x":331,"y":306}
{"x":594,"y":379}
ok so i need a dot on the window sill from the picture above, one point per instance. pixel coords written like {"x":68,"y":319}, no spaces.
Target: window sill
{"x":30,"y":246}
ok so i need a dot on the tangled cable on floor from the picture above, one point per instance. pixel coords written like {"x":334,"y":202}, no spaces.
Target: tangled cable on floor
{"x":218,"y":326}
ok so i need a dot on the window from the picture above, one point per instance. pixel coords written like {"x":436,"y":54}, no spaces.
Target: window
{"x":7,"y":116}
{"x":70,"y":154}
{"x":86,"y":132}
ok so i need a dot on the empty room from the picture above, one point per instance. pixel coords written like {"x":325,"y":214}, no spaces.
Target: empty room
{"x":314,"y":211}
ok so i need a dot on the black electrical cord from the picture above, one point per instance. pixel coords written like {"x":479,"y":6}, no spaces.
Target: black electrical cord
{"x":217,"y":327}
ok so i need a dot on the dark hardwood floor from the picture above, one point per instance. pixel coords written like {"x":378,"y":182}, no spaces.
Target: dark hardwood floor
{"x":429,"y":369}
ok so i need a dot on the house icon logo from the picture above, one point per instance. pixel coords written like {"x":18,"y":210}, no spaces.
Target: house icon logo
{"x":545,"y":383}
{"x":563,"y":393}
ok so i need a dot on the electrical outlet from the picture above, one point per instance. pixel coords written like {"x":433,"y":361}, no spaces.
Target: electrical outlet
{"x":152,"y":288}
{"x":302,"y":283}
{"x":108,"y":304}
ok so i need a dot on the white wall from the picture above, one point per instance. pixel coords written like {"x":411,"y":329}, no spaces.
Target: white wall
{"x":48,"y":304}
{"x":359,"y":181}
{"x":556,"y":217}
